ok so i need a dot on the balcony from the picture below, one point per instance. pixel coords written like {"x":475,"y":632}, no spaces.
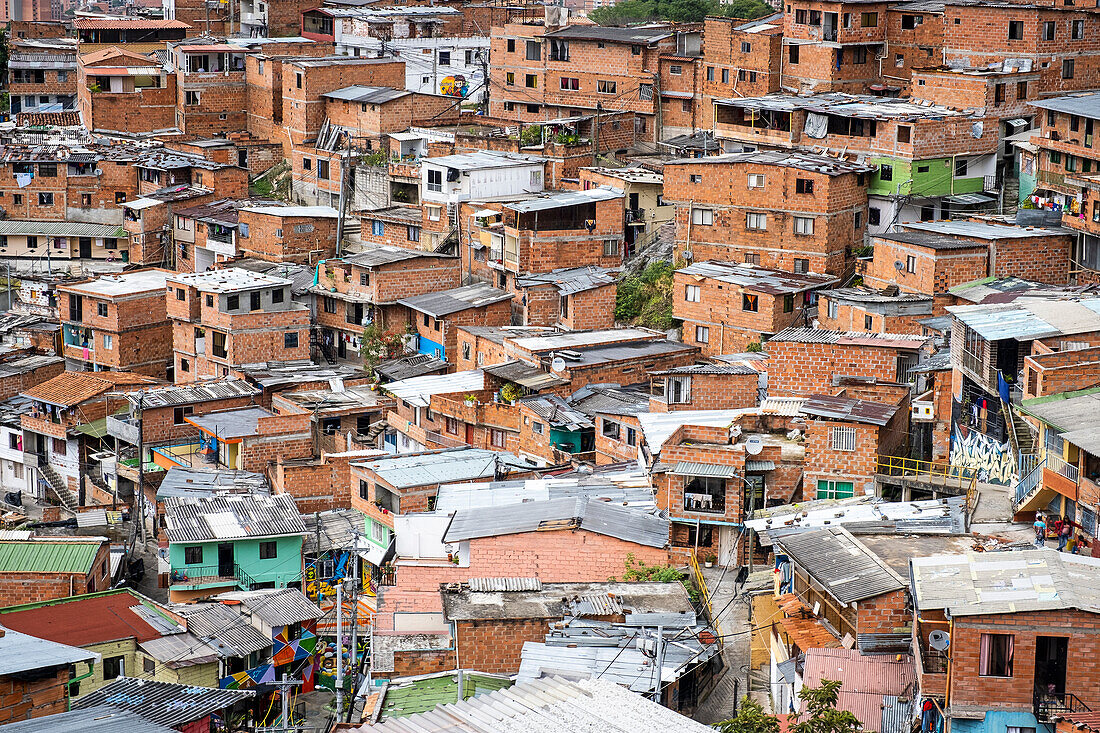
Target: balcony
{"x":931,"y":669}
{"x":124,"y":428}
{"x":1048,"y":707}
{"x":1060,"y":476}
{"x":635,"y":217}
{"x":193,"y":577}
{"x":484,"y":410}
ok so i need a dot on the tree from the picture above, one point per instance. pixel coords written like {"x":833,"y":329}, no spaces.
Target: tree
{"x":750,"y":718}
{"x":683,"y":11}
{"x":821,"y":714}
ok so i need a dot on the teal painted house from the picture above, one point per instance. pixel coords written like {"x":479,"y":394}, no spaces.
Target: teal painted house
{"x":231,"y":542}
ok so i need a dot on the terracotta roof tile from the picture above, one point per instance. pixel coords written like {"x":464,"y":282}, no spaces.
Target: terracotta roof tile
{"x":46,"y":119}
{"x":803,"y":628}
{"x":72,"y":388}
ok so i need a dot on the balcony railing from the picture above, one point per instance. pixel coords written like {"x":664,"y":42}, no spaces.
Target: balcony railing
{"x":211,"y":574}
{"x":1049,"y":706}
{"x":1060,"y":466}
{"x":709,"y":503}
{"x":635,"y":216}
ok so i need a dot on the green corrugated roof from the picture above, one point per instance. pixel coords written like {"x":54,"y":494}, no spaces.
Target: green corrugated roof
{"x":423,"y":694}
{"x":47,"y":557}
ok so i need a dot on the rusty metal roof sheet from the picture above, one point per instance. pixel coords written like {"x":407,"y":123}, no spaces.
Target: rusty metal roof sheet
{"x":849,"y":409}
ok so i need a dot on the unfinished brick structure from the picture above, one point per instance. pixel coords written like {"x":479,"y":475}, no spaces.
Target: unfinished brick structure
{"x":436,"y":317}
{"x":816,"y":217}
{"x":85,"y":570}
{"x":301,"y":234}
{"x":704,"y":387}
{"x":873,"y":311}
{"x":142,"y":101}
{"x":740,"y":58}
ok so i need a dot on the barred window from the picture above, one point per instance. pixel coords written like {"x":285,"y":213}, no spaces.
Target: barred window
{"x":844,"y":438}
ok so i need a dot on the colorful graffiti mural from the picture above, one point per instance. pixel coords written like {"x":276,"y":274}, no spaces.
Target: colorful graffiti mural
{"x":265,"y":673}
{"x":454,"y":86}
{"x":991,"y":459}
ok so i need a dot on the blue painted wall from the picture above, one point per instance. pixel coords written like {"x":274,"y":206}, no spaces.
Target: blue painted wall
{"x":996,"y":721}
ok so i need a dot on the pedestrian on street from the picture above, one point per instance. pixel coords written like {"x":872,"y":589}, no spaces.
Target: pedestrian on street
{"x":1040,"y":526}
{"x":1063,"y":535}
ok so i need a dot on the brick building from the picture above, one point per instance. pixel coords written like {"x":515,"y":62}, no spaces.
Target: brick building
{"x":727,"y":306}
{"x":797,"y":212}
{"x":645,"y":207}
{"x":37,"y":684}
{"x":436,"y":316}
{"x":833,"y":47}
{"x":741,"y":58}
{"x":225,"y":318}
{"x":45,"y":568}
{"x":301,"y":234}
{"x":117,"y":323}
{"x":705,"y":387}
{"x":872,"y":311}
{"x":141,"y":35}
{"x":211,"y":94}
{"x":363,"y":289}
{"x":802,"y":362}
{"x":576,"y":299}
{"x":42,"y":75}
{"x":121,"y":90}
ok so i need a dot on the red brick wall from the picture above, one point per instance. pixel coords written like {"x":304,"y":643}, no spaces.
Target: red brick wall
{"x":885,"y":614}
{"x":1061,"y":371}
{"x":33,"y":587}
{"x":23,"y":700}
{"x":263,"y":241}
{"x":936,"y":270}
{"x":798,"y":369}
{"x":13,"y":385}
{"x":496,"y":646}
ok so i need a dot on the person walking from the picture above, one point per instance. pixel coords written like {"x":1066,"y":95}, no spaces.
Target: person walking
{"x":1040,"y":526}
{"x":1064,"y":535}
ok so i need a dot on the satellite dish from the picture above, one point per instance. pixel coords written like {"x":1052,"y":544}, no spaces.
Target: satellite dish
{"x":754,"y":445}
{"x":939,"y":640}
{"x":557,"y":364}
{"x":899,"y":265}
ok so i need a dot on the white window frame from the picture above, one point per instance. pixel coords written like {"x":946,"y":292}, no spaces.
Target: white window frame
{"x":804,"y":225}
{"x":692,"y":293}
{"x":843,"y":438}
{"x":757,"y":180}
{"x":756,"y":220}
{"x":702,"y":334}
{"x":702,"y":217}
{"x":678,"y":390}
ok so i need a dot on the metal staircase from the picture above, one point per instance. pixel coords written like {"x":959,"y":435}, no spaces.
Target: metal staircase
{"x":318,"y":349}
{"x":57,"y":485}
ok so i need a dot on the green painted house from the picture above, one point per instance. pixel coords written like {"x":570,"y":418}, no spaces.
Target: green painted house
{"x":231,"y":542}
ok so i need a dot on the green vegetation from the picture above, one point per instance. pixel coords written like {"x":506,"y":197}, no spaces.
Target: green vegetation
{"x":820,"y":716}
{"x":530,"y":136}
{"x":379,"y":346}
{"x":637,"y":571}
{"x":645,"y":299}
{"x":679,"y":11}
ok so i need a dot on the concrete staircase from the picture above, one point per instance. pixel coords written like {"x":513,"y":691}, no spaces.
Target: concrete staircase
{"x":58,"y":486}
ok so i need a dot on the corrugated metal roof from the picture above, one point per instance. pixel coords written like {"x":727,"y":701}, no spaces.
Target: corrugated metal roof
{"x":204,"y":519}
{"x":367,"y":95}
{"x":557,"y":412}
{"x":43,"y":556}
{"x":849,"y":409}
{"x":15,"y":227}
{"x":658,"y":426}
{"x":564,"y":199}
{"x":177,"y":651}
{"x":813,"y":162}
{"x":417,"y":391}
{"x":835,"y":559}
{"x":221,"y":628}
{"x":524,"y":374}
{"x":1006,"y":582}
{"x":438,"y":467}
{"x":690,"y":468}
{"x":488,"y":585}
{"x":866,"y":682}
{"x":166,"y":703}
{"x":712,"y":369}
{"x":571,"y":280}
{"x":183,"y":481}
{"x":21,"y":652}
{"x":186,"y":394}
{"x":406,"y":367}
{"x":549,"y":704}
{"x":446,"y":302}
{"x":275,"y":606}
{"x":759,"y":465}
{"x":1030,"y":318}
{"x":821,"y":336}
{"x":374,"y":255}
{"x":336,"y":529}
{"x":90,"y":720}
{"x":625,"y":523}
{"x":629,"y":487}
{"x":1083,"y":104}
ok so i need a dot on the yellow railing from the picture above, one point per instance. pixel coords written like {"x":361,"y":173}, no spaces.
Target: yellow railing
{"x":961,"y":479}
{"x":701,"y":583}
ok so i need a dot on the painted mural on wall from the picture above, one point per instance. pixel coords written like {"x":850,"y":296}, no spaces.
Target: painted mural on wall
{"x":454,"y":86}
{"x":990,"y":458}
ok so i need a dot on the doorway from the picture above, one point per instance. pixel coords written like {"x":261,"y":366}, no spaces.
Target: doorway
{"x":1050,"y":664}
{"x":85,"y":247}
{"x":225,"y":560}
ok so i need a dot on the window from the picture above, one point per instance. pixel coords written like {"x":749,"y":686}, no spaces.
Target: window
{"x":874,"y":216}
{"x":695,"y":178}
{"x":752,"y":258}
{"x":868,"y":323}
{"x":17,"y":199}
{"x":788,"y":303}
{"x":899,"y":60}
{"x":645,"y":93}
{"x":635,"y":50}
{"x":1015,"y":30}
{"x":792,"y":55}
{"x":268,"y":550}
{"x":605,"y":87}
{"x":509,"y":78}
{"x":756,"y":180}
{"x":185,"y":366}
{"x":804,"y":185}
{"x":233,"y":302}
{"x":298,"y":80}
{"x":534,"y":51}
{"x":868,"y":20}
{"x":179,"y":413}
{"x":101,"y":309}
{"x":559,"y":50}
{"x":254,"y":301}
{"x":678,"y":390}
{"x":835,"y":490}
{"x":412,"y":233}
{"x":1049,"y":29}
{"x":859,"y":220}
{"x":290,"y":340}
{"x":1077,"y":30}
{"x":905,"y":133}
{"x":843,"y":438}
{"x":746,"y":47}
{"x":960,"y":168}
{"x":803,"y":225}
{"x":832,"y":308}
{"x":435,"y":180}
{"x":609,"y":428}
{"x":725,"y":76}
{"x":886,"y":173}
{"x":108,"y":341}
{"x":85,"y":200}
{"x":676,"y":70}
{"x":610,"y":247}
{"x":801,"y":265}
{"x":497,"y":438}
{"x":742,"y":75}
{"x":322,"y":169}
{"x":120,"y":197}
{"x":277,"y":295}
{"x":691,"y":293}
{"x":307,"y":164}
{"x":750,"y":302}
{"x":909,"y":22}
{"x":1074,"y":123}
{"x":911,"y":264}
{"x":148,"y":665}
{"x":45,"y":199}
{"x":511,"y":45}
{"x":531,"y":81}
{"x":191,"y":99}
{"x":451,"y":425}
{"x":47,"y":170}
{"x":702,"y":334}
{"x":364,"y":489}
{"x":859,"y":55}
{"x":192,"y":555}
{"x":32,"y":242}
{"x":1067,"y":69}
{"x":756,"y":220}
{"x":815,"y":17}
{"x":801,"y":16}
{"x":114,"y":667}
{"x":710,"y":73}
{"x":570,"y":83}
{"x":995,"y":655}
{"x":704,"y":217}
{"x":631,"y":436}
{"x":1055,"y":157}
{"x":537,"y":428}
{"x":444,"y":58}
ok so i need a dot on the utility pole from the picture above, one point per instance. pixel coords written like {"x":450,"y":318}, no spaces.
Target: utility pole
{"x":140,"y":498}
{"x":660,"y":661}
{"x":9,"y":285}
{"x":354,"y":624}
{"x":284,"y":686}
{"x":752,"y":509}
{"x":344,"y":166}
{"x":596,"y":136}
{"x":339,"y":648}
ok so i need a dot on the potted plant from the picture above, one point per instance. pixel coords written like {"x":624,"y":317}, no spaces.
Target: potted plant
{"x":471,"y":400}
{"x":709,"y":560}
{"x":510,"y":393}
